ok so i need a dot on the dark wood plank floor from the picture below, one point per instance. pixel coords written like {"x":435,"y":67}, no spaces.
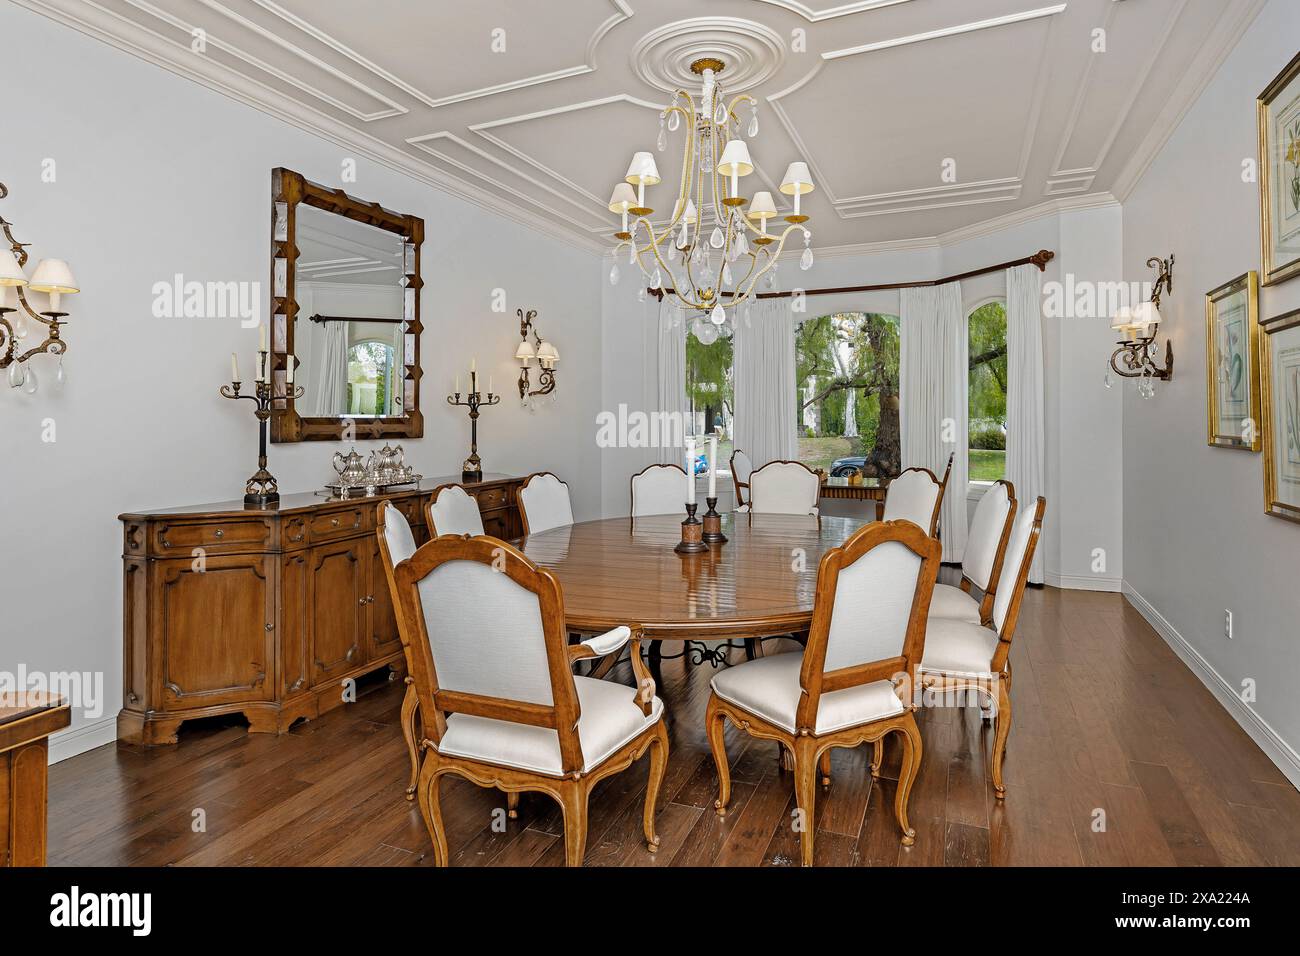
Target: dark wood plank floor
{"x":1118,"y":756}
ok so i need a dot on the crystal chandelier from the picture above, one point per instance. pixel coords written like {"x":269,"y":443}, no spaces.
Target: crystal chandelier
{"x":715,"y":274}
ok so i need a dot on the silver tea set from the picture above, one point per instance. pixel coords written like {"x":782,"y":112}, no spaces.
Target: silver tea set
{"x":382,"y":471}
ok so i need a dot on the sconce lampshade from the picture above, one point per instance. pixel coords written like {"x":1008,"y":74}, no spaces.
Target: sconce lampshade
{"x":547,"y":354}
{"x":53,"y":275}
{"x":797,"y":179}
{"x":10,"y":273}
{"x":735,"y":159}
{"x":642,"y":171}
{"x":524,"y":354}
{"x":1123,"y":318}
{"x":622,"y":198}
{"x":1146,"y":314}
{"x":762,"y":206}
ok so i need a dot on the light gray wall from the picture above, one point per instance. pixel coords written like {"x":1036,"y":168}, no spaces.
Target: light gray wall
{"x":1196,"y":539}
{"x":156,"y":175}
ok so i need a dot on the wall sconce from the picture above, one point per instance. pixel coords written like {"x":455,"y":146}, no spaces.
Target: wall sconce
{"x":546,"y":354}
{"x":1138,"y":325}
{"x":53,"y":277}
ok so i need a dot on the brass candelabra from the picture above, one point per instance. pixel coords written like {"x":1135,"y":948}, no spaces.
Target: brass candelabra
{"x":262,"y":489}
{"x":472,"y":468}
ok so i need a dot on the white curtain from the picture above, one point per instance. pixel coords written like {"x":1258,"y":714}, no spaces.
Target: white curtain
{"x":765,"y":382}
{"x":671,"y":394}
{"x":332,"y":389}
{"x":1025,"y":445}
{"x":933,"y":381}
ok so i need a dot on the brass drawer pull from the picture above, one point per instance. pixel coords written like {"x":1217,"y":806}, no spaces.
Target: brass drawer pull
{"x":219,"y":533}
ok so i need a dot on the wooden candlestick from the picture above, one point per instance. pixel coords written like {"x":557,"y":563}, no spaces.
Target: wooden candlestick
{"x":692,"y":533}
{"x":713,"y":524}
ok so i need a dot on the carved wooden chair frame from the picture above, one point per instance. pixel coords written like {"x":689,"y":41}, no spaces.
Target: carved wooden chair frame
{"x":735,"y":479}
{"x":631,"y":486}
{"x":815,"y":472}
{"x":809,"y":749}
{"x":523,"y":511}
{"x":433,"y":496}
{"x":572,"y":789}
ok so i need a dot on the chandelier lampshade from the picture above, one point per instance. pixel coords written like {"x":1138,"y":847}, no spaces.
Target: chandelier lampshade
{"x":10,"y":273}
{"x":713,"y":161}
{"x":622,"y":199}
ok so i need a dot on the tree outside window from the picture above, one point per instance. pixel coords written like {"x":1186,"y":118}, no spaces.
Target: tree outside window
{"x":370,"y":373}
{"x":987,"y":411}
{"x":709,"y":391}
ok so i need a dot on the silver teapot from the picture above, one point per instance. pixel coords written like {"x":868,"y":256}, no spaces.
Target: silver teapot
{"x":350,"y":468}
{"x":387,"y":466}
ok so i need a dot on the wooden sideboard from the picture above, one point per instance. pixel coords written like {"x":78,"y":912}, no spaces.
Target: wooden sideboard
{"x":26,"y":721}
{"x":269,"y":612}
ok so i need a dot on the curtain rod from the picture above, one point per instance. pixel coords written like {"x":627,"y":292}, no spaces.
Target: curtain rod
{"x":352,"y":318}
{"x":1040,"y":258}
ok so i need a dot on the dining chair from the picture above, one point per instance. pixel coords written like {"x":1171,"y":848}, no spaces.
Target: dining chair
{"x":397,"y":544}
{"x":493,"y":677}
{"x":659,"y":490}
{"x":962,"y":657}
{"x":852,"y":683}
{"x":783,"y":487}
{"x":741,"y":469}
{"x":452,"y":511}
{"x":981,"y":563}
{"x":916,"y":495}
{"x":544,"y":503}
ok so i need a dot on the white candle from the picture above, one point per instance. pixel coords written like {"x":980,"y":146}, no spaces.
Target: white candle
{"x":288,"y":378}
{"x":261,"y":337}
{"x":690,"y":471}
{"x":458,"y":383}
{"x":489,"y":384}
{"x":473,"y":365}
{"x":713,"y":465}
{"x":234,"y":367}
{"x":261,"y":367}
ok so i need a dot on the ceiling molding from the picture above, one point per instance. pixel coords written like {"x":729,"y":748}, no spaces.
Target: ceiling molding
{"x":952,"y":31}
{"x":753,"y":53}
{"x":844,"y":10}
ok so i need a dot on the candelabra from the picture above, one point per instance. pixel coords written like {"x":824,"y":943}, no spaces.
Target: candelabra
{"x":472,"y":469}
{"x":261,"y":489}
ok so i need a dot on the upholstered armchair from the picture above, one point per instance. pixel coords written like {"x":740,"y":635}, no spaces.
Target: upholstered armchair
{"x":853,"y":682}
{"x":450,"y":510}
{"x":659,"y":490}
{"x":783,"y":487}
{"x":544,"y":503}
{"x":493,"y":678}
{"x":981,"y":563}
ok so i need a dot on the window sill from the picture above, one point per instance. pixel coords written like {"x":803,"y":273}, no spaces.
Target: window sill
{"x":975,"y":490}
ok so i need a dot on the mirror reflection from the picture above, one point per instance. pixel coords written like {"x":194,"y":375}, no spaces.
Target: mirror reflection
{"x":348,"y":333}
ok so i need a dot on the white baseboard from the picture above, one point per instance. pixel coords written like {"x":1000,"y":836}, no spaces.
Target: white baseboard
{"x":77,"y":740}
{"x":1082,"y":582}
{"x":1277,"y":750}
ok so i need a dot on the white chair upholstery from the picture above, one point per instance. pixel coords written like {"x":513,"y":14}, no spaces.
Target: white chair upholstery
{"x":659,"y":490}
{"x":610,"y":718}
{"x":783,"y":487}
{"x":769,"y":687}
{"x":986,"y":531}
{"x":912,"y":496}
{"x":453,"y":511}
{"x":953,"y":604}
{"x":398,"y":535}
{"x":1013,"y":563}
{"x":544,"y":501}
{"x":741,"y":466}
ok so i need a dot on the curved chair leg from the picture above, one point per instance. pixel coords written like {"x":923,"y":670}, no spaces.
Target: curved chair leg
{"x":911,"y":764}
{"x":658,"y":764}
{"x":512,"y":805}
{"x":805,"y":791}
{"x":715,"y":723}
{"x":877,"y":756}
{"x":826,"y":768}
{"x":431,"y":810}
{"x":574,"y":804}
{"x":1001,"y":730}
{"x":410,"y":708}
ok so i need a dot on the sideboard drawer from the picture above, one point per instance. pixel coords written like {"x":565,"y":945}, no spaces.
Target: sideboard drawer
{"x":214,"y":536}
{"x":490,"y":498}
{"x":338,"y":524}
{"x":412,"y":509}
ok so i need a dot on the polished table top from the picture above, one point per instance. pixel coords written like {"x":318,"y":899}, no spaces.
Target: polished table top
{"x":762,"y":581}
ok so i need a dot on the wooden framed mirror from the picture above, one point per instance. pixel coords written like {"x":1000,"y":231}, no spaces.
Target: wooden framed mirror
{"x":345,"y":309}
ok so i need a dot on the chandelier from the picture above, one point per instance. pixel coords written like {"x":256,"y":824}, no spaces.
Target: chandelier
{"x":712,"y":275}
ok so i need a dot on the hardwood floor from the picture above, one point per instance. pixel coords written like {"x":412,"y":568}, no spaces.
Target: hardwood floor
{"x":1118,"y":756}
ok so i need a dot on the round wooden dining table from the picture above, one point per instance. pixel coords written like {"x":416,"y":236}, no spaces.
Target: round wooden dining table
{"x":761,"y":582}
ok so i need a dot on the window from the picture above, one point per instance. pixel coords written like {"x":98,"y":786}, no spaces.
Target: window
{"x":709,"y":390}
{"x":987,"y":410}
{"x":370,"y":378}
{"x":846,"y":372}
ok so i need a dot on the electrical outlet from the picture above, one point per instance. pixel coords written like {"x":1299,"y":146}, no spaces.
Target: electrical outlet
{"x":1227,"y":624}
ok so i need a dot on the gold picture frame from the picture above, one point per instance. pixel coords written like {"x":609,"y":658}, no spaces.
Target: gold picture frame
{"x":1233,"y":409}
{"x":1279,"y":359}
{"x":1278,"y":112}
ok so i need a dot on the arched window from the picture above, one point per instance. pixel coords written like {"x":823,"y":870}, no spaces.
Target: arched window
{"x":846,"y":376}
{"x":370,"y":378}
{"x":987,"y":408}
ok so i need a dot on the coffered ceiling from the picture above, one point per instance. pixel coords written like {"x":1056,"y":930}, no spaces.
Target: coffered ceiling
{"x":534,"y":108}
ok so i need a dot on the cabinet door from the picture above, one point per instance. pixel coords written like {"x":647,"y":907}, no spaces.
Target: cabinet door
{"x":382,"y":629}
{"x":295,"y":623}
{"x":337,"y":607}
{"x":497,"y":524}
{"x":214,"y":619}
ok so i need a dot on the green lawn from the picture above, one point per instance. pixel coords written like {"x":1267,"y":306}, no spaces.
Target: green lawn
{"x":820,"y":452}
{"x":987,"y":464}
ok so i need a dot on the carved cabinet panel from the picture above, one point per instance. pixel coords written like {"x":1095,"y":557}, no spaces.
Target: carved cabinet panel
{"x":337,"y":606}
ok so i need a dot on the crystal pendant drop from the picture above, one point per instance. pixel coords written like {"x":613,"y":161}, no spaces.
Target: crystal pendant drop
{"x":674,"y":120}
{"x":726,"y":274}
{"x":715,"y":238}
{"x":706,"y":157}
{"x":640,"y":293}
{"x":60,"y":376}
{"x":1108,"y":381}
{"x":753,"y":125}
{"x":20,"y":326}
{"x":662,"y":142}
{"x":806,"y":260}
{"x":771,"y":277}
{"x":613,"y":274}
{"x":631,"y":255}
{"x":657,"y":280}
{"x":719,"y":314}
{"x":742,"y":245}
{"x":17,"y":375}
{"x":29,"y":386}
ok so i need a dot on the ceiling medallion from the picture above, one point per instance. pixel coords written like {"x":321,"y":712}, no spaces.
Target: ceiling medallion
{"x":669,"y":57}
{"x":715,"y":159}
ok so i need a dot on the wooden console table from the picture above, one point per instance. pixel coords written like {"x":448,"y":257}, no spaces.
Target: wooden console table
{"x":871,"y":489}
{"x":26,"y":721}
{"x":265,"y":612}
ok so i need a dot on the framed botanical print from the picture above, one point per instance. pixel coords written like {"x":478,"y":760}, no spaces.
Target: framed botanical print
{"x":1279,"y":174}
{"x":1232,"y":364}
{"x":1279,"y":354}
